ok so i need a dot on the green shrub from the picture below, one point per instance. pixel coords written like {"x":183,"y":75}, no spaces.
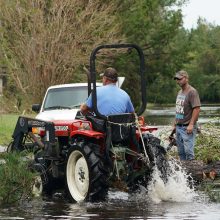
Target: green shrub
{"x":15,"y":177}
{"x":208,"y":143}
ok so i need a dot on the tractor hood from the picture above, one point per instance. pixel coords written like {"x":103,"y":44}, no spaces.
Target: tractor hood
{"x":57,"y":114}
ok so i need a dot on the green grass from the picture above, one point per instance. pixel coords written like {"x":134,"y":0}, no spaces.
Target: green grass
{"x":7,"y":126}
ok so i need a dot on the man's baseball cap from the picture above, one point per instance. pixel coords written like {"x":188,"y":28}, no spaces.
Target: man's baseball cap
{"x":181,"y":74}
{"x":110,"y":73}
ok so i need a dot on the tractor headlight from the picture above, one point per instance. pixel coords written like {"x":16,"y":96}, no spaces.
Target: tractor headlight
{"x":80,"y":125}
{"x":85,"y":126}
{"x":38,"y":130}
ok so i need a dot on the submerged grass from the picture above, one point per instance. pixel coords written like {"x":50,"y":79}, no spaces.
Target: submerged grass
{"x":212,"y":189}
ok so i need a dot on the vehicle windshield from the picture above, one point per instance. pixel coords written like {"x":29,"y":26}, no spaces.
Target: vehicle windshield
{"x":65,"y":98}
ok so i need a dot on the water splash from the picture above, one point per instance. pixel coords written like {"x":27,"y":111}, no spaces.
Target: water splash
{"x":118,"y":195}
{"x":175,"y":189}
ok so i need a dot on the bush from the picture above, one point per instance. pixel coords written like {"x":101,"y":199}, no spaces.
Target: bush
{"x":15,"y":177}
{"x":208,"y":143}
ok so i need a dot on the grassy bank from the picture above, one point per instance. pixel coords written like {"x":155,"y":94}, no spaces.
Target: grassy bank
{"x":7,"y":126}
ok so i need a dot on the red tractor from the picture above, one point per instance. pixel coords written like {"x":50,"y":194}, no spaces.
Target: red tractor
{"x":92,"y":153}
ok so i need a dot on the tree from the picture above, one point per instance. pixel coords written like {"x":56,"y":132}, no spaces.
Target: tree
{"x":48,"y":42}
{"x":156,"y":27}
{"x":204,"y":66}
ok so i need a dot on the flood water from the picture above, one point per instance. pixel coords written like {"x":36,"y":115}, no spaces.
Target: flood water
{"x":118,"y":206}
{"x":165,"y":115}
{"x":173,"y":200}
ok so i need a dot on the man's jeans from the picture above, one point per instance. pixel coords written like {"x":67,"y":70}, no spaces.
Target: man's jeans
{"x":185,"y":142}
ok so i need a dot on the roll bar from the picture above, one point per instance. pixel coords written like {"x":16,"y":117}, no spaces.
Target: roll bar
{"x":93,"y":75}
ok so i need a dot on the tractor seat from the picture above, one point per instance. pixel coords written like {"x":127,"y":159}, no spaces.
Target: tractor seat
{"x":121,"y":126}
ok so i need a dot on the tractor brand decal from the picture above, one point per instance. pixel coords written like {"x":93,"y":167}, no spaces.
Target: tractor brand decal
{"x":36,"y":123}
{"x":61,"y":128}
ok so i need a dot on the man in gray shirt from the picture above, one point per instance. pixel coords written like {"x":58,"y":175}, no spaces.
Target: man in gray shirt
{"x":187,"y":113}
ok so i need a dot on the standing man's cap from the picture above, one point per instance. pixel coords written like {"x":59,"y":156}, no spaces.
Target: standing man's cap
{"x":110,"y":73}
{"x":181,"y":74}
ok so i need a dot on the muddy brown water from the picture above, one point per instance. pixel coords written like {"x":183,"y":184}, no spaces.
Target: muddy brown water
{"x":175,"y":200}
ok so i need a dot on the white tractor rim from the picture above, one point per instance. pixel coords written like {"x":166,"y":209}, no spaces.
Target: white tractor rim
{"x":77,"y":174}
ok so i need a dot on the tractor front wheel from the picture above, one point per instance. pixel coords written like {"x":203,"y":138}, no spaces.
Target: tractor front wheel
{"x":86,"y":178}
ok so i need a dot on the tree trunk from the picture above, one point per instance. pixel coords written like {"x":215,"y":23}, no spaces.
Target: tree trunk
{"x":200,"y":171}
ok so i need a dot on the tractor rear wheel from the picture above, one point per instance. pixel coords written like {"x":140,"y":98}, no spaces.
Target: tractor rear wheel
{"x":159,"y":155}
{"x":86,"y":178}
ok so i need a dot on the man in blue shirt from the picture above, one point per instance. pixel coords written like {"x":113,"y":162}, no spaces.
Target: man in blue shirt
{"x":111,"y":100}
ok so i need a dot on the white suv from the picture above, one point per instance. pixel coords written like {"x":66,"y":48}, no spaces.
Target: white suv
{"x":62,"y":102}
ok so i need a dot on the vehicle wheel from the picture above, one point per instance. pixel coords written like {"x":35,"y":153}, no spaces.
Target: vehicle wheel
{"x":86,"y":178}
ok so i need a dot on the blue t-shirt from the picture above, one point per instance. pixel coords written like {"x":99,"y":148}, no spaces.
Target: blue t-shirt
{"x":111,"y":100}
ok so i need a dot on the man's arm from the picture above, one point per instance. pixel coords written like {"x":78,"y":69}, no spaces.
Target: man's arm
{"x":87,"y":106}
{"x":195,"y":116}
{"x":84,"y":108}
{"x":173,"y":128}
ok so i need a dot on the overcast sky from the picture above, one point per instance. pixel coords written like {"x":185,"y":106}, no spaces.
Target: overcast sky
{"x":208,"y":9}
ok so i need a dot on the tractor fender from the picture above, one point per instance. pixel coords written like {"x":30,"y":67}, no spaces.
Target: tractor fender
{"x":87,"y":133}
